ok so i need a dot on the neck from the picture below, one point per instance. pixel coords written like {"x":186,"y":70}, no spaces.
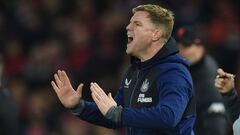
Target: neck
{"x":151,"y":51}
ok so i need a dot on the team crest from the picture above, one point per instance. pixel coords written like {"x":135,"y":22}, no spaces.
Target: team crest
{"x":144,"y":86}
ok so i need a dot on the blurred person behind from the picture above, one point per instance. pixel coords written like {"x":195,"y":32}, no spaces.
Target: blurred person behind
{"x":8,"y":109}
{"x":224,"y":82}
{"x":14,"y":57}
{"x":211,"y":118}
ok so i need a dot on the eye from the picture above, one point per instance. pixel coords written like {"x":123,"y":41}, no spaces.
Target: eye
{"x":138,"y":24}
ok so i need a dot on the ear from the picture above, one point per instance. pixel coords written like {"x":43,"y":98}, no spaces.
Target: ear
{"x":157,"y":34}
{"x":202,"y":48}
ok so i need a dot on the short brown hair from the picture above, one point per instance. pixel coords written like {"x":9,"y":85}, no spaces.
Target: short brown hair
{"x":159,"y":16}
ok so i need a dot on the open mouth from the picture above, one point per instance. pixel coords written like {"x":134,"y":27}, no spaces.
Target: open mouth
{"x":130,"y":39}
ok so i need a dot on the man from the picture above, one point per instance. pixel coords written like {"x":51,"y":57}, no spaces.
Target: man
{"x":211,"y":118}
{"x":155,"y":96}
{"x":224,"y":83}
{"x":8,"y":109}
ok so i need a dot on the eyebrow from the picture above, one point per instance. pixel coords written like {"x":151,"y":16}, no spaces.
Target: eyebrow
{"x":137,"y":22}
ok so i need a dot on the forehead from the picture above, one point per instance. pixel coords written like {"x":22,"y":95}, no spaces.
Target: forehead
{"x":140,"y":15}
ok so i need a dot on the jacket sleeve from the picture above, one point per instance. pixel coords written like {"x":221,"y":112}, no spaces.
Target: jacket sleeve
{"x":174,"y":94}
{"x":232,"y":103}
{"x":211,"y":115}
{"x":91,"y":113}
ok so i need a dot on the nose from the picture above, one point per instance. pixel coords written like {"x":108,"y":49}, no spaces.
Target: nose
{"x":129,"y":27}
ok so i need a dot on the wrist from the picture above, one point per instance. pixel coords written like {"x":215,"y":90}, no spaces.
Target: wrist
{"x":228,"y":93}
{"x":77,"y":110}
{"x":114,"y":114}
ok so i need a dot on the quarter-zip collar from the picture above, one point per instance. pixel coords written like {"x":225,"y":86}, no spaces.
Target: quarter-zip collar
{"x":169,"y":48}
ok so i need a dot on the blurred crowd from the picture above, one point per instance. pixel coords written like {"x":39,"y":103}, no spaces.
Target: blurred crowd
{"x":87,"y":38}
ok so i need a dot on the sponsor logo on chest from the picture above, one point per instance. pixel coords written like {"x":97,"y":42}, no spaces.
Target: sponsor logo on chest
{"x":144,"y":88}
{"x":143,"y":99}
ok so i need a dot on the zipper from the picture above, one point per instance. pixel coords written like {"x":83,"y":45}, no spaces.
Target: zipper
{"x":130,"y":103}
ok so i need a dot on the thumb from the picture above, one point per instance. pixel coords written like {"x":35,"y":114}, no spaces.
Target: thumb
{"x":221,"y":72}
{"x":113,"y":101}
{"x":80,"y":88}
{"x":110,"y":96}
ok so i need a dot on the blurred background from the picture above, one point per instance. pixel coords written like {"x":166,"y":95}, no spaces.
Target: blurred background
{"x":87,"y":38}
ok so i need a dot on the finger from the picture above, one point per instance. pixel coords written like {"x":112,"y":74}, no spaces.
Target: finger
{"x":219,"y":87}
{"x":102,"y":97}
{"x":100,"y":106}
{"x":98,"y":87}
{"x":217,"y":83}
{"x":218,"y":80}
{"x":80,"y":88}
{"x":58,"y":82}
{"x":226,"y":76}
{"x":98,"y":96}
{"x":220,"y":72}
{"x":110,"y":96}
{"x":101,"y":91}
{"x":65,"y":78}
{"x":112,"y":99}
{"x":56,"y":89}
{"x":97,"y":100}
{"x":231,"y":76}
{"x":95,"y":92}
{"x":59,"y":74}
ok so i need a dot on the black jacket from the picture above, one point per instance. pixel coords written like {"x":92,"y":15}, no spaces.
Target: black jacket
{"x":211,"y":119}
{"x":8,"y":114}
{"x":232,"y":102}
{"x":155,"y":96}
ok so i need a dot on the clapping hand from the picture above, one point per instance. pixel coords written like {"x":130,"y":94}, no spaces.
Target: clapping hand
{"x":103,"y":101}
{"x":64,"y":90}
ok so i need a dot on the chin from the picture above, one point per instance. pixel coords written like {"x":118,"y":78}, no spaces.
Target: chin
{"x":130,"y":49}
{"x":128,"y":52}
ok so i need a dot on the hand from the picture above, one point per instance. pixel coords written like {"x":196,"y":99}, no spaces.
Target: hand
{"x":66,"y":94}
{"x":224,"y":82}
{"x":103,"y":101}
